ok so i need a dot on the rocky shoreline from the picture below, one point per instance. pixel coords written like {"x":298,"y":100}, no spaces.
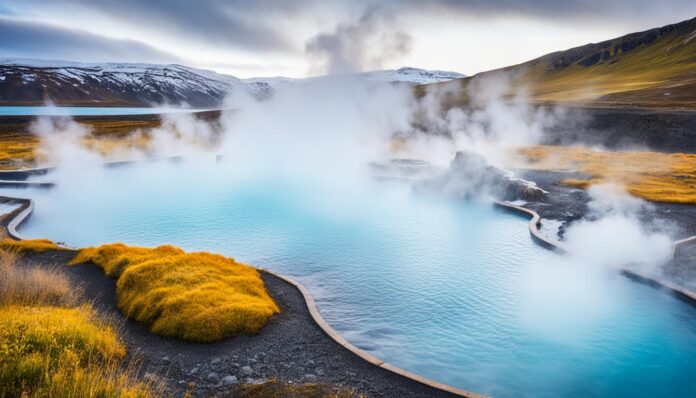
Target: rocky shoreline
{"x":292,"y":348}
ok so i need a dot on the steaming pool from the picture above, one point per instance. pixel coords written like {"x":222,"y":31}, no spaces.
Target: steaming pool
{"x":455,"y":291}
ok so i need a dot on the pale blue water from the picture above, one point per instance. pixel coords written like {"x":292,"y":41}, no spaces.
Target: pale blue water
{"x":85,"y":110}
{"x":452,"y":290}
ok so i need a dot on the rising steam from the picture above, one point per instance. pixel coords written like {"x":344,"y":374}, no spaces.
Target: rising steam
{"x":367,"y":43}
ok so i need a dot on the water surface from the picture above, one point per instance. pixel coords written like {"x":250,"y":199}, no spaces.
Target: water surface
{"x":455,"y":291}
{"x":86,"y":110}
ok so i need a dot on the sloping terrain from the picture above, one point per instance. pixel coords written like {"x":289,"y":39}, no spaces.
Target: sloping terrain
{"x":24,"y":82}
{"x":654,"y":68}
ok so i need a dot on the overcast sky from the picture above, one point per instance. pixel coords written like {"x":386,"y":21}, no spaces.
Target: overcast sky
{"x":308,"y":37}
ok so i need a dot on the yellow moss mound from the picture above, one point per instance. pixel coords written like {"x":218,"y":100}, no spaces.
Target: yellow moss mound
{"x":192,"y":296}
{"x":61,"y":352}
{"x":35,"y":245}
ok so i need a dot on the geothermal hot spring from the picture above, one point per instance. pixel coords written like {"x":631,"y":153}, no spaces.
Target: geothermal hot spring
{"x":453,"y":290}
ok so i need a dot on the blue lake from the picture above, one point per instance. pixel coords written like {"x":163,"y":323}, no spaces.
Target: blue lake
{"x":455,"y":291}
{"x":85,"y":111}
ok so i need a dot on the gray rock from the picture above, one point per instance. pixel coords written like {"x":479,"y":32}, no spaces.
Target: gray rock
{"x":247,"y":370}
{"x":215,"y":361}
{"x":310,"y":378}
{"x":194,"y":371}
{"x":319,"y":371}
{"x":229,"y":380}
{"x":165,"y":359}
{"x":212,"y":376}
{"x":310,"y":363}
{"x":470,"y":175}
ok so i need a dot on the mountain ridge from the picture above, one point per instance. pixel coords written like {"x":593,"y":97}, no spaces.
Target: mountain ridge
{"x":34,"y":82}
{"x":655,"y":68}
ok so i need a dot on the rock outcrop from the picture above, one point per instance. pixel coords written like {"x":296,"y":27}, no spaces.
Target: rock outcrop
{"x":470,"y":175}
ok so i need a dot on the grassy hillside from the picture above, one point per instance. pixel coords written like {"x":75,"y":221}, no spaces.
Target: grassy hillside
{"x":655,"y":68}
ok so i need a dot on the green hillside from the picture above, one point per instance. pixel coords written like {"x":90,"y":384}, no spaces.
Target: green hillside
{"x":655,"y":68}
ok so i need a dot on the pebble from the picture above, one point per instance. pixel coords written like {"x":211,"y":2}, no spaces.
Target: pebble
{"x":247,"y":370}
{"x":215,"y":361}
{"x":165,"y":359}
{"x":319,"y":371}
{"x":212,"y":376}
{"x":194,"y":371}
{"x":310,"y":377}
{"x":229,"y":380}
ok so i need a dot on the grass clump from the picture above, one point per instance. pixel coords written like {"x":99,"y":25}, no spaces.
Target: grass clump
{"x":198,"y":296}
{"x":50,"y":345}
{"x":34,"y":286}
{"x":30,"y":245}
{"x":61,"y":352}
{"x":276,"y":389}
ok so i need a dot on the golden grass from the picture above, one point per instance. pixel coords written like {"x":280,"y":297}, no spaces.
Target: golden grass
{"x":29,"y":245}
{"x":276,"y":389}
{"x":34,"y":286}
{"x":657,"y":177}
{"x":62,"y":352}
{"x":50,"y":346}
{"x":198,"y":296}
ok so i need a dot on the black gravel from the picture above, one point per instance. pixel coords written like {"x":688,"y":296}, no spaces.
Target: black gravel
{"x":291,"y":348}
{"x":569,"y":205}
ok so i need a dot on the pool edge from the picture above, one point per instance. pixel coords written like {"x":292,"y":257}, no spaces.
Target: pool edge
{"x":15,"y":218}
{"x":682,"y":293}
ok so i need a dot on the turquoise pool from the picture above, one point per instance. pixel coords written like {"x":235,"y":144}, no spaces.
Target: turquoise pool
{"x":455,"y":291}
{"x":85,"y":110}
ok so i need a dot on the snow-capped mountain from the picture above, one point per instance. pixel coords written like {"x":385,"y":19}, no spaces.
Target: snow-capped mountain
{"x":33,"y":82}
{"x":412,"y":75}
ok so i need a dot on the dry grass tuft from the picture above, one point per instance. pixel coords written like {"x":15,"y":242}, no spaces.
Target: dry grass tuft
{"x":34,"y":286}
{"x":654,"y":176}
{"x":30,"y":245}
{"x":199,"y":296}
{"x":50,"y":347}
{"x":62,"y":352}
{"x":276,"y":389}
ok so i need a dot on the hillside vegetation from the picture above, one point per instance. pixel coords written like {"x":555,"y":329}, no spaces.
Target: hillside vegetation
{"x":654,"y":68}
{"x":192,"y":296}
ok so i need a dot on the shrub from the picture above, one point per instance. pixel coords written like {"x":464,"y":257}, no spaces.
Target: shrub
{"x":35,"y":245}
{"x":199,"y":296}
{"x":62,"y":352}
{"x":35,"y":285}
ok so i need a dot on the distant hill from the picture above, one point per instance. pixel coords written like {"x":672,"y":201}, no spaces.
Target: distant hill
{"x":654,"y":68}
{"x":33,"y":82}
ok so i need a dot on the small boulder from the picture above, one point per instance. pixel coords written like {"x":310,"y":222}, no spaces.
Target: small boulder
{"x":229,"y":380}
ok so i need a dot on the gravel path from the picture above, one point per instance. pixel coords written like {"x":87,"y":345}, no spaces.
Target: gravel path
{"x":290,"y":348}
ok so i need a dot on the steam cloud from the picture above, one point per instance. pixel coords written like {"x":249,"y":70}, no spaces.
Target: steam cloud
{"x":367,"y":43}
{"x":321,"y":134}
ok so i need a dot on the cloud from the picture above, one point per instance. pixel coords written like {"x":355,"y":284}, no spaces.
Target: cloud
{"x":366,"y":43}
{"x":28,"y":39}
{"x":234,"y":23}
{"x":620,"y":11}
